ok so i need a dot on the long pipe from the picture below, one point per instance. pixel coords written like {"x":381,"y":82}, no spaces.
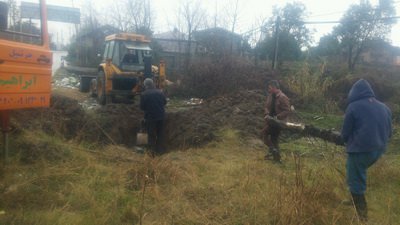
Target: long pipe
{"x":304,"y":129}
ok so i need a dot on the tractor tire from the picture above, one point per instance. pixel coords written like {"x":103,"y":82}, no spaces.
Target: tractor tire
{"x":101,"y":88}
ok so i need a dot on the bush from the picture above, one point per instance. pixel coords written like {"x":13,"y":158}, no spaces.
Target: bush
{"x":208,"y":78}
{"x":310,"y":86}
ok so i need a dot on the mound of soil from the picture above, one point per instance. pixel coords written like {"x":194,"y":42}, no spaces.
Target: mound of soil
{"x":195,"y":127}
{"x":115,"y":124}
{"x":230,"y":102}
{"x":64,"y":117}
{"x":119,"y":123}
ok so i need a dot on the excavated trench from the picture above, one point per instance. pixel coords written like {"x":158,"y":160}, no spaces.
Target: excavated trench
{"x":72,"y":115}
{"x":186,"y":126}
{"x":118,"y":123}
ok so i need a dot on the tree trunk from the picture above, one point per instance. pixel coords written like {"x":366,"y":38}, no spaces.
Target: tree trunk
{"x":350,"y":57}
{"x":309,"y":130}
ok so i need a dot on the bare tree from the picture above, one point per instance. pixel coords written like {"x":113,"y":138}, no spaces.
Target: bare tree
{"x":233,"y":10}
{"x":256,"y":35}
{"x":89,"y":15}
{"x":227,"y":16}
{"x":192,"y":16}
{"x":118,"y":17}
{"x":216,"y":14}
{"x":84,"y":49}
{"x":141,"y":15}
{"x":234,"y":18}
{"x":131,"y":16}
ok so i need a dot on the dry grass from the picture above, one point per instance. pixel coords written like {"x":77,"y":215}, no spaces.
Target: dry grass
{"x":226,"y":182}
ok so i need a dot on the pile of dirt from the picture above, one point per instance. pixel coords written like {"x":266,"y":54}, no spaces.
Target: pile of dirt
{"x":225,"y":84}
{"x":64,"y":117}
{"x":195,"y":127}
{"x":111,"y":124}
{"x":234,"y":99}
{"x":119,"y":123}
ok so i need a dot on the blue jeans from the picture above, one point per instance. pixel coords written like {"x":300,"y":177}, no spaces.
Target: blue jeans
{"x":356,"y":169}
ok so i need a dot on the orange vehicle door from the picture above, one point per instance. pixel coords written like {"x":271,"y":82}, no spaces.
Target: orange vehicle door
{"x":25,"y":60}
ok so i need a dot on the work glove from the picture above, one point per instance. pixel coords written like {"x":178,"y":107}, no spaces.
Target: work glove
{"x":338,"y":140}
{"x":268,"y":117}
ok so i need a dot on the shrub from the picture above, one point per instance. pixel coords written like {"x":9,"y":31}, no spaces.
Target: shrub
{"x":310,"y":86}
{"x":208,"y":78}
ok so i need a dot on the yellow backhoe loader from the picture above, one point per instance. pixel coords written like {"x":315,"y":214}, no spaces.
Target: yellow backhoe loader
{"x":126,"y":63}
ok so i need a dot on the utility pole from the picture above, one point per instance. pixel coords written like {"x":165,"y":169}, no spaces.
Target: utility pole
{"x":275,"y":60}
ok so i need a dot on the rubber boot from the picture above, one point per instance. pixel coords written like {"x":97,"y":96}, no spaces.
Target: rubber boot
{"x":361,"y":206}
{"x":273,"y":155}
{"x":270,"y":154}
{"x":276,"y":155}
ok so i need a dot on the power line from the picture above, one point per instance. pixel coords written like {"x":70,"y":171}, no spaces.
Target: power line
{"x":380,"y":19}
{"x":320,"y":22}
{"x":327,"y":14}
{"x":324,"y":22}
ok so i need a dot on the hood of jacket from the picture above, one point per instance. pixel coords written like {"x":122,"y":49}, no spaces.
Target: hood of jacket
{"x":361,"y":89}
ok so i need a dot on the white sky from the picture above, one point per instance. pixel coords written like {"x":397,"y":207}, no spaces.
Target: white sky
{"x":251,"y":12}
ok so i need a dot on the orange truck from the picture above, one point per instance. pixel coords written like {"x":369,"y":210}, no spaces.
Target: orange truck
{"x":25,"y":61}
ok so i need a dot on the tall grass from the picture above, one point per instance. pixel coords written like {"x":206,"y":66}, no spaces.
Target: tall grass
{"x":310,"y":86}
{"x":226,"y":182}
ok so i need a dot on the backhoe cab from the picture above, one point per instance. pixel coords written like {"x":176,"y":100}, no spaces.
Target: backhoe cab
{"x":126,"y":63}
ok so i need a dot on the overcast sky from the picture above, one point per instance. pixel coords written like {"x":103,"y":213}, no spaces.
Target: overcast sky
{"x":251,"y":12}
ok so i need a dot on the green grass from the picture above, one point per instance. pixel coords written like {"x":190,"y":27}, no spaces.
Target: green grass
{"x":326,"y":121}
{"x":226,"y":182}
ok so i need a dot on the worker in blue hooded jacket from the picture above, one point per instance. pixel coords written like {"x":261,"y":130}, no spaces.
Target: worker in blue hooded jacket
{"x":366,"y":130}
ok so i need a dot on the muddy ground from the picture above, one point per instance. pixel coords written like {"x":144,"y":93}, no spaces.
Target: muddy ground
{"x":74,"y":115}
{"x":186,"y":126}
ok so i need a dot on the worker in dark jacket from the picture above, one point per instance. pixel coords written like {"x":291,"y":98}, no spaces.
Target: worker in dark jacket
{"x":277,"y":106}
{"x":366,"y":130}
{"x":152,"y":102}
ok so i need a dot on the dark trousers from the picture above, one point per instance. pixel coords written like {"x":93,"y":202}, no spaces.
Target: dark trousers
{"x":155,"y":134}
{"x":271,"y":136}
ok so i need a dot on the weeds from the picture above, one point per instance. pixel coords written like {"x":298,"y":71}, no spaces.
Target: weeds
{"x":310,"y":87}
{"x":225,"y":182}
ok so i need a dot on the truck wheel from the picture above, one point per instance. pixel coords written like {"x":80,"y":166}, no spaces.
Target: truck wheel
{"x":84,"y":85}
{"x":101,"y":88}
